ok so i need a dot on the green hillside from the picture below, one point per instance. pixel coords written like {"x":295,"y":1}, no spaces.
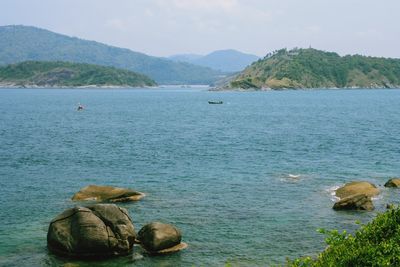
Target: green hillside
{"x":23,"y":43}
{"x":66,"y":74}
{"x":311,"y":68}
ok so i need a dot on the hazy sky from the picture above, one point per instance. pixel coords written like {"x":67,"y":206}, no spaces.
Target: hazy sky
{"x":166,"y":27}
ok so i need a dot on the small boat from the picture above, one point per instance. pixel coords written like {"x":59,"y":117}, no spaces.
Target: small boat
{"x":215,"y":102}
{"x":80,"y":107}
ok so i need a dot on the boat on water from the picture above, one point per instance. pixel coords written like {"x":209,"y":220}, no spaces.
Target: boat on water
{"x":215,"y":102}
{"x":80,"y":107}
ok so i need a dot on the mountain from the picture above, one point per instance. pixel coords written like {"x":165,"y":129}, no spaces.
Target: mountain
{"x":23,"y":43}
{"x":67,"y":74}
{"x":311,"y":68}
{"x":185,"y":57}
{"x":223,"y":60}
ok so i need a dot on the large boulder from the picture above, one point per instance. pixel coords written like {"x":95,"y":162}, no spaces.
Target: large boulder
{"x":355,"y":202}
{"x":107,"y":194}
{"x":393,"y":182}
{"x":99,"y":230}
{"x":360,"y":187}
{"x":159,"y":237}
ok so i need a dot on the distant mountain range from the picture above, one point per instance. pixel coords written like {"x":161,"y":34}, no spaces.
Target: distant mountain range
{"x":311,"y":68}
{"x":67,"y":74}
{"x":185,"y":57}
{"x":221,"y":60}
{"x":23,"y":43}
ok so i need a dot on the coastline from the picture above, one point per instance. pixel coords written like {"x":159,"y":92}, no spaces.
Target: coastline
{"x":91,"y":86}
{"x":216,"y":89}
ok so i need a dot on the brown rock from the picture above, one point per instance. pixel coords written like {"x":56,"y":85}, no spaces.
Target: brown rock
{"x":393,"y":182}
{"x":99,"y":230}
{"x":159,"y":237}
{"x":360,"y":187}
{"x":355,"y":202}
{"x":107,"y":194}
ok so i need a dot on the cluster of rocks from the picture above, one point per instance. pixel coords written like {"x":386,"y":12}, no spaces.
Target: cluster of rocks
{"x":358,"y":195}
{"x":104,"y":230}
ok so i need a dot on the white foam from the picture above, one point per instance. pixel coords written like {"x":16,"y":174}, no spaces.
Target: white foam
{"x":332,"y":192}
{"x":137,"y":256}
{"x":380,"y":196}
{"x":293,"y":178}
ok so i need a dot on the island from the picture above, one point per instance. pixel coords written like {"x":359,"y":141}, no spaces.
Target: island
{"x":20,"y":43}
{"x":58,"y":74}
{"x":312,"y":68}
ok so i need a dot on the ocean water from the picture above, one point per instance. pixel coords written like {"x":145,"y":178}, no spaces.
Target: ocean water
{"x":248,"y":182}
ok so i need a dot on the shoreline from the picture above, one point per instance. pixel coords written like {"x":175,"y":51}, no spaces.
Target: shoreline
{"x":13,"y":86}
{"x":297,"y":89}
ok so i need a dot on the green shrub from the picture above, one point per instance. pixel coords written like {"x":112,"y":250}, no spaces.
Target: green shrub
{"x":374,"y":244}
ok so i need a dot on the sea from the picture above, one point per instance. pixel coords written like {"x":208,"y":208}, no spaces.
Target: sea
{"x":248,"y":182}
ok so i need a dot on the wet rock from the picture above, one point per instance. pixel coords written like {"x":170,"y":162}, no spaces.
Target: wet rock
{"x":355,"y":202}
{"x":159,"y":237}
{"x":107,"y":194}
{"x":99,"y":230}
{"x":359,"y":187}
{"x":393,"y":182}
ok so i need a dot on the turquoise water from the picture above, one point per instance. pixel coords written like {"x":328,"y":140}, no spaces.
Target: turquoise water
{"x":248,"y":182}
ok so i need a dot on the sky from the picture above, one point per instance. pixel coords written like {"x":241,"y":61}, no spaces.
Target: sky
{"x":168,"y":27}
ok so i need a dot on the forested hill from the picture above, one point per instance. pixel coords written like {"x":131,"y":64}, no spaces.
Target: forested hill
{"x":311,"y":68}
{"x":66,"y":74}
{"x":23,"y":43}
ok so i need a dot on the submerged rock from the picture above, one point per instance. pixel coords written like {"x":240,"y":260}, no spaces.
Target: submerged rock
{"x":359,"y":187}
{"x":107,"y":194}
{"x":393,"y":182}
{"x":355,"y":202}
{"x":159,"y":237}
{"x":99,"y":230}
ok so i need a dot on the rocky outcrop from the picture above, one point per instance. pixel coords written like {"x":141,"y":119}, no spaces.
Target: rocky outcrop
{"x":359,"y":187}
{"x":355,"y":202}
{"x":159,"y":237}
{"x":393,"y":182}
{"x":99,"y":230}
{"x":107,"y":194}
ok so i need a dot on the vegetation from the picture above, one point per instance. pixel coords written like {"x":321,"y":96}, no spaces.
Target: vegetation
{"x":311,"y":68}
{"x":56,"y":74}
{"x":374,"y":244}
{"x":23,"y":43}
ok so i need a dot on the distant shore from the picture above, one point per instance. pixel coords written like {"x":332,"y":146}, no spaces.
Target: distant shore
{"x":93,"y":86}
{"x":219,"y":89}
{"x":35,"y":86}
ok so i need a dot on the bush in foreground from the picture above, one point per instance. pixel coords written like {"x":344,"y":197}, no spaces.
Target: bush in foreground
{"x":374,"y":244}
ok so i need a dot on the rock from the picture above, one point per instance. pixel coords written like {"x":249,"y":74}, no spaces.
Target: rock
{"x":355,"y":202}
{"x":99,"y":230}
{"x":353,"y":188}
{"x":393,"y":182}
{"x":107,"y":194}
{"x":159,"y":237}
{"x":390,"y":206}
